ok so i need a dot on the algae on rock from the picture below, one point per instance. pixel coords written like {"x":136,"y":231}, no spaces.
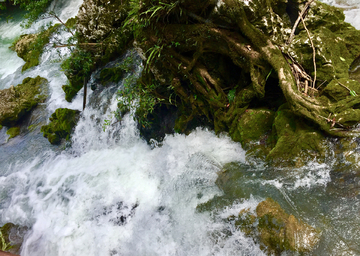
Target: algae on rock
{"x":63,"y":121}
{"x":16,"y":101}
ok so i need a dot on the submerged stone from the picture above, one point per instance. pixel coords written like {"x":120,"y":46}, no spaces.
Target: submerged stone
{"x":63,"y":121}
{"x":16,"y":101}
{"x":12,"y":237}
{"x":276,"y":230}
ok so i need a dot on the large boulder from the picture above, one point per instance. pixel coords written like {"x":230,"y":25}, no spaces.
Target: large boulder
{"x":18,"y":100}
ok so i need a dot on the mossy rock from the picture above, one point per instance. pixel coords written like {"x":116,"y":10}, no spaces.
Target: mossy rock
{"x":252,"y":125}
{"x":13,"y":132}
{"x":13,"y":236}
{"x":16,"y":101}
{"x":276,"y":230}
{"x":29,"y":47}
{"x":335,"y":41}
{"x":63,"y":121}
{"x":297,"y":141}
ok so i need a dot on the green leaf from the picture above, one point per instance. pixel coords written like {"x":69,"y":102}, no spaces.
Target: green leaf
{"x":341,"y":58}
{"x":353,"y":93}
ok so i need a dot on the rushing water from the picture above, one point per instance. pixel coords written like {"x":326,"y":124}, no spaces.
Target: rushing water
{"x":111,"y":193}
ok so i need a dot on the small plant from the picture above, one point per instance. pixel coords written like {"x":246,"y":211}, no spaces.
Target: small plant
{"x":231,"y":95}
{"x":138,"y":98}
{"x":4,"y":246}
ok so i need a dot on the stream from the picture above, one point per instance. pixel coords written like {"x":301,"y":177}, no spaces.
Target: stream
{"x":109,"y":192}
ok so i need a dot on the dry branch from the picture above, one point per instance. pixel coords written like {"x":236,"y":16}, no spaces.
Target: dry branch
{"x":313,"y":48}
{"x":301,"y":15}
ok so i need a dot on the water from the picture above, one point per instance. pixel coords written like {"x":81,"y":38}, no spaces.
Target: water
{"x":111,"y":193}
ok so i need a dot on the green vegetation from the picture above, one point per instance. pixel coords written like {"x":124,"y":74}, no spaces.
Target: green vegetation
{"x":63,"y":121}
{"x":77,"y":68}
{"x":13,"y":132}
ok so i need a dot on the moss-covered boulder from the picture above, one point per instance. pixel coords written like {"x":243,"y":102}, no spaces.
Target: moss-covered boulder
{"x":333,"y":39}
{"x":276,"y":230}
{"x":253,"y":125}
{"x":16,"y":101}
{"x":29,"y":47}
{"x":63,"y":121}
{"x":12,"y":237}
{"x":297,"y":141}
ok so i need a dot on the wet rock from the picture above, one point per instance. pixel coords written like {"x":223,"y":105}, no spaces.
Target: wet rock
{"x":63,"y":121}
{"x":276,"y":230}
{"x":16,"y":101}
{"x":12,"y":237}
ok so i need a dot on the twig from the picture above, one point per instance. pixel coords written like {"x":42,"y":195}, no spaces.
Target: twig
{"x":332,"y":121}
{"x":347,"y":88}
{"x":52,"y":13}
{"x":321,"y":84}
{"x":312,"y":46}
{"x":302,"y":14}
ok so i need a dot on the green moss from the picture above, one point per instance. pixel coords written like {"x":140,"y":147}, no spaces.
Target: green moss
{"x":16,"y":101}
{"x":1,"y":126}
{"x":296,"y":140}
{"x":253,"y":124}
{"x":70,"y":23}
{"x":13,"y":132}
{"x":63,"y":121}
{"x":337,"y":91}
{"x":30,"y":47}
{"x":111,"y":75}
{"x":335,"y":41}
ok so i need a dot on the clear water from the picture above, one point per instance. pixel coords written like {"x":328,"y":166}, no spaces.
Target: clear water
{"x":110,"y":193}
